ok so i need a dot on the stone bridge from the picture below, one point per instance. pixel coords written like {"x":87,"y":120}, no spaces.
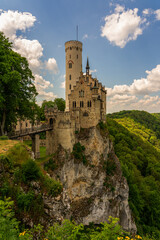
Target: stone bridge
{"x":34,"y":134}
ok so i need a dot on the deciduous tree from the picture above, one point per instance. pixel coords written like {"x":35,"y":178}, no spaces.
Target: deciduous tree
{"x":17,"y":90}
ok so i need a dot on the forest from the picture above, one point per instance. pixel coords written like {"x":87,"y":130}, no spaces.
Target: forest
{"x":136,"y":138}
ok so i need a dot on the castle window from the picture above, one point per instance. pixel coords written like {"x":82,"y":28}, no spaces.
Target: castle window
{"x":70,"y":77}
{"x":74,"y":104}
{"x":77,"y":56}
{"x":77,"y":48}
{"x":70,"y":65}
{"x":70,"y":48}
{"x":81,"y":93}
{"x":81,"y":104}
{"x":26,"y":125}
{"x":89,"y":104}
{"x":70,"y":86}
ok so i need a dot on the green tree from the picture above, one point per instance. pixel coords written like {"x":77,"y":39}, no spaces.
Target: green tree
{"x":17,"y":90}
{"x":60,"y":102}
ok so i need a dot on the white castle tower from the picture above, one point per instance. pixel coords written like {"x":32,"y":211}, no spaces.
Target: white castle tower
{"x":73,"y":50}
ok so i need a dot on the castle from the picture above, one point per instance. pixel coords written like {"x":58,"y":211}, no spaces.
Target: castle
{"x":85,"y":105}
{"x":85,"y":102}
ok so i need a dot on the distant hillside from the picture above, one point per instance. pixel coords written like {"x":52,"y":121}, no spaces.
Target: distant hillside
{"x":142,"y":123}
{"x":136,"y":137}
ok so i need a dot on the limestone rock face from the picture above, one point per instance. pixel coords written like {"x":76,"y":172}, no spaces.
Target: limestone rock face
{"x":92,"y":191}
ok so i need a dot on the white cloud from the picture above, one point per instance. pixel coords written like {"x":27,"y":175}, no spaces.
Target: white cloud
{"x":122,"y":26}
{"x":157,"y":13}
{"x":62,"y":85}
{"x":119,"y":8}
{"x":31,"y":49}
{"x":142,"y":86}
{"x":146,"y":11}
{"x":137,"y":94}
{"x":41,"y":85}
{"x":85,"y":36}
{"x":93,"y":71}
{"x":10,"y":23}
{"x":51,"y":65}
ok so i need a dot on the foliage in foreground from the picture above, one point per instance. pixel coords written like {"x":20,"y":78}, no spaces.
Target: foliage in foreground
{"x":9,"y":229}
{"x":18,"y":177}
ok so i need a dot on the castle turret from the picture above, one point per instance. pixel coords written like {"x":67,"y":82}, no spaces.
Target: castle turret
{"x":73,"y":51}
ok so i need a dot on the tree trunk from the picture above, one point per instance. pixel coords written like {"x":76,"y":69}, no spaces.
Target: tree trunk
{"x":3,"y":123}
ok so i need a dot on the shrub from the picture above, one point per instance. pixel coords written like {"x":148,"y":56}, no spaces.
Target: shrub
{"x":78,"y":152}
{"x":18,"y":154}
{"x":52,"y":186}
{"x":8,"y":224}
{"x":30,"y":171}
{"x":3,"y":137}
{"x":102,"y":125}
{"x":50,"y":165}
{"x":5,"y":189}
{"x":24,"y":200}
{"x":5,"y":163}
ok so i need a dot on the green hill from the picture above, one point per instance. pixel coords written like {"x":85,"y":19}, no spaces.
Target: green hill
{"x":136,"y":137}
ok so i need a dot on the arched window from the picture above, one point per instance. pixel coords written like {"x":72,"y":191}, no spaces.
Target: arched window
{"x":89,"y":104}
{"x":70,"y":77}
{"x":70,"y":65}
{"x":77,"y":56}
{"x":77,"y":48}
{"x":70,"y":48}
{"x":81,"y":104}
{"x":70,"y":86}
{"x":74,"y":104}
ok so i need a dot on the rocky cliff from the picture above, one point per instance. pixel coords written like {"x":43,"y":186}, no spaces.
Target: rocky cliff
{"x":93,"y":185}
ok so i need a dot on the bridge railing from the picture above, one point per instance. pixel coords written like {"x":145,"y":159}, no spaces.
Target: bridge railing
{"x":31,"y":130}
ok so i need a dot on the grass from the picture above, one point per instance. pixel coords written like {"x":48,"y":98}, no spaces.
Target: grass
{"x":42,"y":149}
{"x":6,"y":145}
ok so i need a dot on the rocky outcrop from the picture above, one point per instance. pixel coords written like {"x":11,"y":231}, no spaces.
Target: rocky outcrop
{"x":94,"y":190}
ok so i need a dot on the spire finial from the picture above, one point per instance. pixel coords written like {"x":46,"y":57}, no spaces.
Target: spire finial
{"x":87,"y":67}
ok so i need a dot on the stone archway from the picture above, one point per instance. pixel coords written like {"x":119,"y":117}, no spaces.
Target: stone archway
{"x":51,"y":121}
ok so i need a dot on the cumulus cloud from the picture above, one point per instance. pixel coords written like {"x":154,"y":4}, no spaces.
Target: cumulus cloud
{"x":51,"y":65}
{"x":62,"y":85}
{"x":10,"y":23}
{"x":41,"y":85}
{"x":137,"y":94}
{"x":157,"y":13}
{"x":142,"y":86}
{"x":31,"y":49}
{"x":122,"y":26}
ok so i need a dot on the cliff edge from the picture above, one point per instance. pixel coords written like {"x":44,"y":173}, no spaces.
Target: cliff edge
{"x":93,"y":185}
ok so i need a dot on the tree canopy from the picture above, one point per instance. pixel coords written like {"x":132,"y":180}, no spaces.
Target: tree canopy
{"x":17,"y":90}
{"x":60,"y":102}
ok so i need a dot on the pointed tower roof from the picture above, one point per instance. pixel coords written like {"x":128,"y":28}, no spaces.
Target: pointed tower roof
{"x":87,"y":65}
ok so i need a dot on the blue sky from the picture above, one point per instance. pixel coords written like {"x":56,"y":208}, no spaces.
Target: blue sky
{"x":121,"y":38}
